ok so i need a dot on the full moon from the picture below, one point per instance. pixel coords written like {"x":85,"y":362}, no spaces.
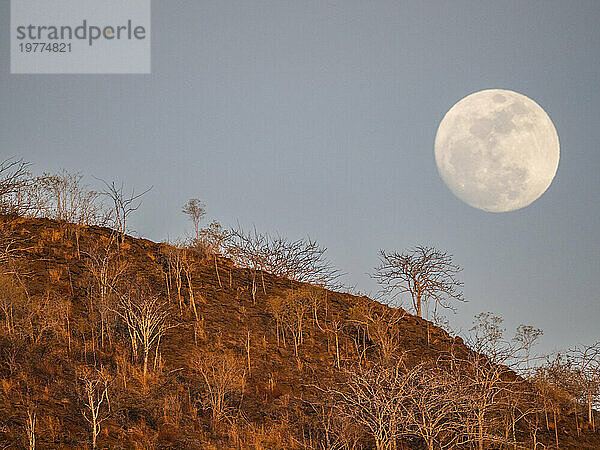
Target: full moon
{"x":497,"y":150}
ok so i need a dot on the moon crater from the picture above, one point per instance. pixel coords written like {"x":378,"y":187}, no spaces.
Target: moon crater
{"x":497,"y":150}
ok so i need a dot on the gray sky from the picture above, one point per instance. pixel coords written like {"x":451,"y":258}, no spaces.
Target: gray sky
{"x":318,"y":118}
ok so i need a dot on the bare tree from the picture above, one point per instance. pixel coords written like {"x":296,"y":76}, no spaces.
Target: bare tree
{"x":290,"y":311}
{"x":560,"y":387}
{"x":46,"y":315}
{"x":549,"y":400}
{"x":107,"y":267}
{"x":356,"y":327}
{"x":123,"y":204}
{"x":335,"y":326}
{"x":338,"y":432}
{"x":32,"y":316}
{"x":425,"y":273}
{"x":527,"y":336}
{"x":380,"y":326}
{"x":64,"y":196}
{"x":302,"y":260}
{"x":247,"y":250}
{"x":12,"y":302}
{"x":14,"y":178}
{"x":146,"y":320}
{"x":487,"y":336}
{"x":196,"y":210}
{"x":212,"y":238}
{"x":174,"y":271}
{"x":436,"y":406}
{"x":30,"y":427}
{"x":224,"y":377}
{"x":179,"y":265}
{"x":375,"y":398}
{"x":61,"y":195}
{"x":188,"y":267}
{"x":587,"y":363}
{"x":484,"y":381}
{"x":93,"y":391}
{"x":489,"y":380}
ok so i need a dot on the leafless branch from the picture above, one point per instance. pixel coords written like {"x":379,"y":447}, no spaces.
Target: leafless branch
{"x":425,"y":273}
{"x":123,"y":204}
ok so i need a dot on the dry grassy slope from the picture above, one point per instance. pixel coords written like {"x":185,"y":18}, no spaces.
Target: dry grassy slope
{"x":51,"y":260}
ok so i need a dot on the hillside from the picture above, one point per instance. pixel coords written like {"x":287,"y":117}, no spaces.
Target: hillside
{"x":224,"y":374}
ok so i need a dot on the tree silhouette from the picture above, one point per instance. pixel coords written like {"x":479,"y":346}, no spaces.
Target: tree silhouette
{"x":425,"y":273}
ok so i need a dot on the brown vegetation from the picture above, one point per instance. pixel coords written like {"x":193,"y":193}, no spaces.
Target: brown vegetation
{"x":112,"y":342}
